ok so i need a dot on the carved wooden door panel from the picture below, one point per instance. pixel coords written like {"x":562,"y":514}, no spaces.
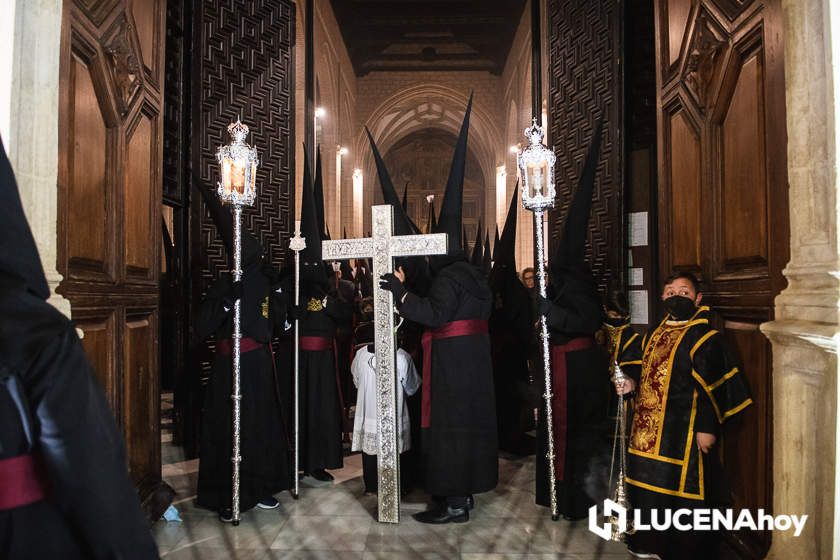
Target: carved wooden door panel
{"x":723,"y":207}
{"x":585,"y":84}
{"x":110,"y":161}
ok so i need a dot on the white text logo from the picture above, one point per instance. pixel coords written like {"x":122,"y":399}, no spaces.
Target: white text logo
{"x":693,"y":520}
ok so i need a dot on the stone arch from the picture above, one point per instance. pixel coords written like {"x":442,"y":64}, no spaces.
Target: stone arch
{"x":421,"y":107}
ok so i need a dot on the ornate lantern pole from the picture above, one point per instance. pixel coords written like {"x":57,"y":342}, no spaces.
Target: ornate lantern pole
{"x":238,"y":162}
{"x":536,"y":168}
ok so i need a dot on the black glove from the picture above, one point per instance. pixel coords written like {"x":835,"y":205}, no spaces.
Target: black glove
{"x":235,"y":291}
{"x":295,"y":312}
{"x":391,"y":283}
{"x":543,"y":305}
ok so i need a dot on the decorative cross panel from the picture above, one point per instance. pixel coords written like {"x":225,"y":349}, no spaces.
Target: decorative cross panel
{"x":383,"y":247}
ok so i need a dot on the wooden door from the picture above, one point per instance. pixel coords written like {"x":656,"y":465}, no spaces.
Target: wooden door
{"x":109,"y":233}
{"x":723,"y":208}
{"x":585,"y":84}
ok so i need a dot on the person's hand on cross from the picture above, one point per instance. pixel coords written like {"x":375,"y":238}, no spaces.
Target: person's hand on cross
{"x":393,"y":282}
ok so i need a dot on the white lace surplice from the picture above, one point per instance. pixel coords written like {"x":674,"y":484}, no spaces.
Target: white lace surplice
{"x":364,"y":424}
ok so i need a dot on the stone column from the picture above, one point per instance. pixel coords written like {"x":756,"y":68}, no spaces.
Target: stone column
{"x":805,"y":334}
{"x":33,"y":125}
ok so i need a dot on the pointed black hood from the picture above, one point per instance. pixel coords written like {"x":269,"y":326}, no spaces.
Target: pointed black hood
{"x":495,"y":242}
{"x":405,"y":198}
{"x":416,"y":268}
{"x":346,"y":270}
{"x":218,"y":213}
{"x":449,"y":220}
{"x":252,"y":250}
{"x":487,"y":260}
{"x":477,"y":248}
{"x":18,"y":252}
{"x":505,"y":253}
{"x":402,"y":223}
{"x":569,"y":253}
{"x":309,"y":228}
{"x":430,"y":216}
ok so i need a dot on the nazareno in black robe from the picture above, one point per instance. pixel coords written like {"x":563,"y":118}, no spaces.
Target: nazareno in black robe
{"x":321,"y":414}
{"x":52,"y":406}
{"x":511,"y":331}
{"x":460,"y":447}
{"x":576,"y":312}
{"x":264,"y":439}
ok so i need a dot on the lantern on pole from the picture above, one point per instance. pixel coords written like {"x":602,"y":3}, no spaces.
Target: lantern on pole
{"x":238,"y":162}
{"x":536,"y":169}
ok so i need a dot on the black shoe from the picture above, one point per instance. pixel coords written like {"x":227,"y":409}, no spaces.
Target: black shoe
{"x":443,"y":515}
{"x":268,"y":503}
{"x":322,"y":475}
{"x":226,"y":515}
{"x":470,"y":502}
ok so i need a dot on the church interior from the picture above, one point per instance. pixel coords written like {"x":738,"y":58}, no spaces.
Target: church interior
{"x":718,"y":157}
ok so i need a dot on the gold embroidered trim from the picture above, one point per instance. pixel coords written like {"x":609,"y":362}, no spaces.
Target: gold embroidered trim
{"x":314,"y":304}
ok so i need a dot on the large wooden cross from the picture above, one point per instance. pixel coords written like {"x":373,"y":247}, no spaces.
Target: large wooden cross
{"x":383,"y":247}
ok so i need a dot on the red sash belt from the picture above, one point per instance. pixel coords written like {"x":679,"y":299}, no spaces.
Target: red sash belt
{"x":246,"y":344}
{"x":467,"y":327}
{"x":315,"y":343}
{"x":22,"y":484}
{"x":559,"y":399}
{"x":322,"y":344}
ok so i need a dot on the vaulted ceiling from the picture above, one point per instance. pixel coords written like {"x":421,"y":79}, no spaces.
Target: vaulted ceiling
{"x":420,"y":35}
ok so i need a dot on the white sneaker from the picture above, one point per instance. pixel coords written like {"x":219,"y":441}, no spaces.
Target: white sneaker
{"x":268,"y":503}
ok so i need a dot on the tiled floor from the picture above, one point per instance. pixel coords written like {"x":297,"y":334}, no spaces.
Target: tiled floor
{"x":337,"y":521}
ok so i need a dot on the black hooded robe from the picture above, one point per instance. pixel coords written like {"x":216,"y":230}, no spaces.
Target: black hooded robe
{"x":511,"y":330}
{"x":91,"y":509}
{"x":65,"y":491}
{"x":321,"y":413}
{"x":264,"y":441}
{"x":575,"y":317}
{"x":460,"y":444}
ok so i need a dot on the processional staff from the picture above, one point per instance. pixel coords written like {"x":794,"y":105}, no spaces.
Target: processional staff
{"x":238,"y":162}
{"x":536,"y":167}
{"x":297,"y":244}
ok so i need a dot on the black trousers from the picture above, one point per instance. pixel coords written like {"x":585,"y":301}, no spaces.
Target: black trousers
{"x":370,"y":474}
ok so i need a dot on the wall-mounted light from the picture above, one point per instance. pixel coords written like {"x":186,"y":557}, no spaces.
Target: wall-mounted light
{"x":358,"y":194}
{"x":320,"y":113}
{"x":501,"y":194}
